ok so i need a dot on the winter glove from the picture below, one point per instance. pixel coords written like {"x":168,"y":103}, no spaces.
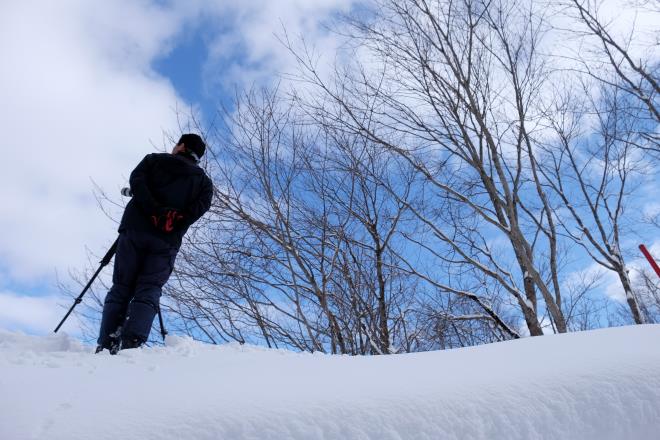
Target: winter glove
{"x":166,"y":219}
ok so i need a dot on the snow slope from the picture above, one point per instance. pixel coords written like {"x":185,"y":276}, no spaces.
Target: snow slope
{"x":603,"y":384}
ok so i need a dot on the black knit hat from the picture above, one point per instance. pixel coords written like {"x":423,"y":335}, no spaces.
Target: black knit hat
{"x":194,"y":144}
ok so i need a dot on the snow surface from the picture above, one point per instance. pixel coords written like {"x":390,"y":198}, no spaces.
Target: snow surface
{"x":602,"y":384}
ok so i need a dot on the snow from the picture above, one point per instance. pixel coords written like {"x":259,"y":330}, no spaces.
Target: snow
{"x":602,"y":384}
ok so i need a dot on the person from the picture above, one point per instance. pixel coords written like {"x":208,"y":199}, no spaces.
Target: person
{"x":170,"y":192}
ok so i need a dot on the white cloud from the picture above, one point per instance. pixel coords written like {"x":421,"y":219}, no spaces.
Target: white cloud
{"x":34,"y":315}
{"x":81,"y":101}
{"x":252,"y":52}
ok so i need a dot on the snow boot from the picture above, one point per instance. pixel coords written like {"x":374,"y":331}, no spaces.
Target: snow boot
{"x":130,"y":343}
{"x":113,"y":344}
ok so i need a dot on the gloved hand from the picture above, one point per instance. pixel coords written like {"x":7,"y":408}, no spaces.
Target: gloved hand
{"x":166,"y":219}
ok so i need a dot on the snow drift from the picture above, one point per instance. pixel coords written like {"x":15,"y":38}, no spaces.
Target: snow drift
{"x":602,"y":384}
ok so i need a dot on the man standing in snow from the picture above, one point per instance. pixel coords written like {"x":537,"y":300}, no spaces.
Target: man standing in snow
{"x":170,"y":192}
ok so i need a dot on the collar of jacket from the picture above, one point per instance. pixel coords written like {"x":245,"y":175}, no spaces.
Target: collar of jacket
{"x":187,"y":158}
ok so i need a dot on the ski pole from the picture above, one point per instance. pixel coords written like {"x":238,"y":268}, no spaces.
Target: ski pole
{"x":104,"y":262}
{"x":649,"y":257}
{"x":163,"y":332}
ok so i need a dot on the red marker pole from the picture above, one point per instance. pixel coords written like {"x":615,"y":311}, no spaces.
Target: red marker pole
{"x":648,"y":256}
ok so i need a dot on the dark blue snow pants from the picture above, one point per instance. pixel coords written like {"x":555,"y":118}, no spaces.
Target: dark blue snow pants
{"x":143,"y":263}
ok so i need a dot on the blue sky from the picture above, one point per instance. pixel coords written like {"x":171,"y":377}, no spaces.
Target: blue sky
{"x":89,"y":88}
{"x":189,"y":67}
{"x":183,"y":66}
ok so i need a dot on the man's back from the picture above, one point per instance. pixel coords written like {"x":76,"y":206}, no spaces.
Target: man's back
{"x":167,"y":180}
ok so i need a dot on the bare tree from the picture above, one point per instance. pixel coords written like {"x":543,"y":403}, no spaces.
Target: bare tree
{"x":648,"y":286}
{"x":596,"y":177}
{"x":455,"y":98}
{"x":626,"y":62}
{"x":633,"y":76}
{"x":297,"y":250}
{"x":436,"y":191}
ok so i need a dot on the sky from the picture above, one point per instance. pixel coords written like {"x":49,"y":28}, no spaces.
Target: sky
{"x":88,"y":89}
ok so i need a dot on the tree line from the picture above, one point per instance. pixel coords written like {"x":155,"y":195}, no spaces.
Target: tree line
{"x":460,"y":177}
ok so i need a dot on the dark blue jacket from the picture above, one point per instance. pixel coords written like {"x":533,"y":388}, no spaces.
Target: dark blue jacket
{"x":166,"y":180}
